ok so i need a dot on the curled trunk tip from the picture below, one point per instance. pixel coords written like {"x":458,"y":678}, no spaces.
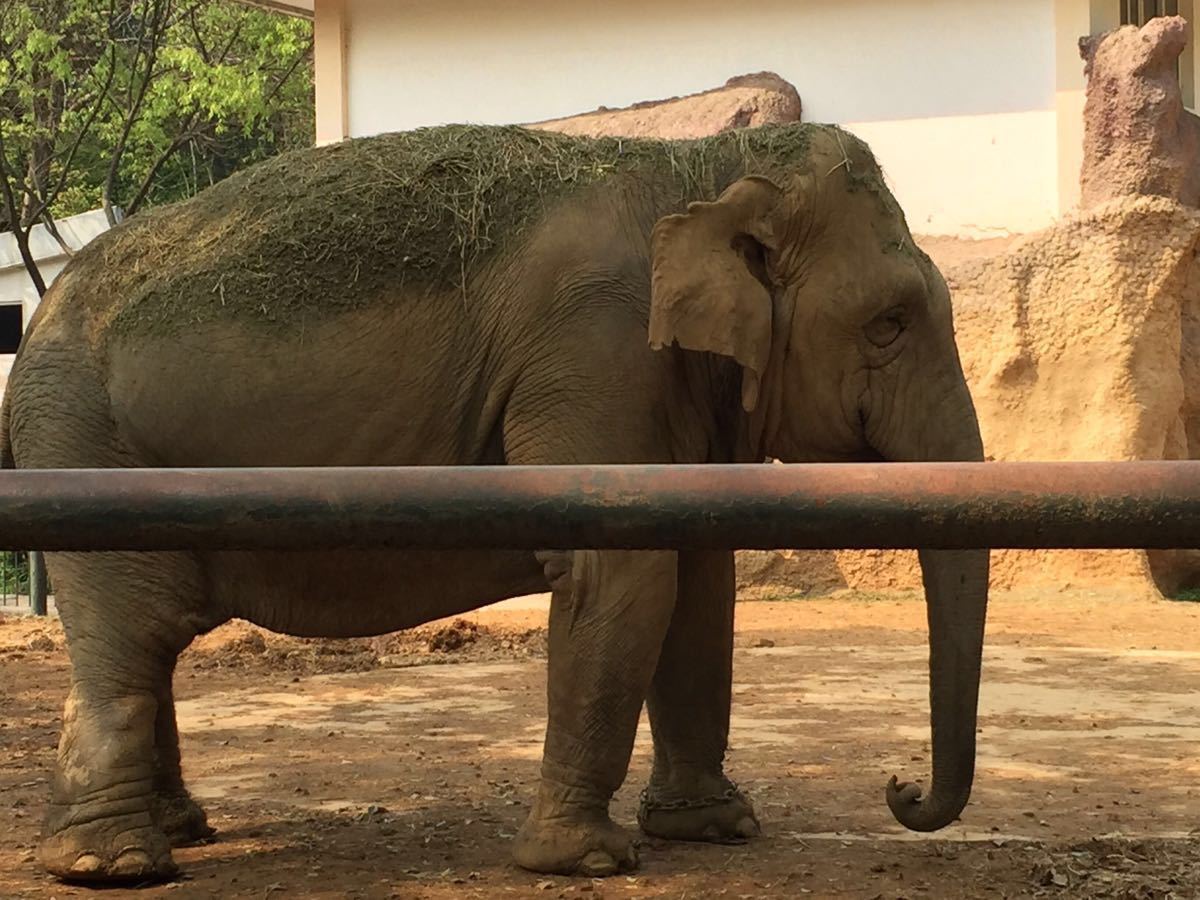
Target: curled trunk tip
{"x":918,"y":813}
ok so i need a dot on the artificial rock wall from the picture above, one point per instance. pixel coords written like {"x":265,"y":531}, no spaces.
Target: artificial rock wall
{"x":745,"y":101}
{"x":1138,"y":138}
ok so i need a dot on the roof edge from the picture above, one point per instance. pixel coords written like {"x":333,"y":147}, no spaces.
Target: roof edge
{"x":301,"y":9}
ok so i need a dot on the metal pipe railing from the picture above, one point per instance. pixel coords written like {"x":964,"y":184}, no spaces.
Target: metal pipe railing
{"x":818,"y":506}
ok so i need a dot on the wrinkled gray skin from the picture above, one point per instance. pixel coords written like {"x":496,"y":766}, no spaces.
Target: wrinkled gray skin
{"x":792,"y":320}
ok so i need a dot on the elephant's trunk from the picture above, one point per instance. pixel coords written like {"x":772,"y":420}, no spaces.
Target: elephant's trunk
{"x":956,"y":594}
{"x":956,"y":590}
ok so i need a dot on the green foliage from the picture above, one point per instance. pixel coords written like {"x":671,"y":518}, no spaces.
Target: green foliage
{"x":132,"y":102}
{"x":14,"y":573}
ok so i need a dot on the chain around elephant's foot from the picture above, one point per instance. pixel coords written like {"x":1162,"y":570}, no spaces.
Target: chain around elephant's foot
{"x":181,"y":819}
{"x":113,"y":850}
{"x":571,"y":841}
{"x":721,"y":817}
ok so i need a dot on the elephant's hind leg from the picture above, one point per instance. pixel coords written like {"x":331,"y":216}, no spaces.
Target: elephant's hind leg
{"x":689,"y":798}
{"x":126,"y":617}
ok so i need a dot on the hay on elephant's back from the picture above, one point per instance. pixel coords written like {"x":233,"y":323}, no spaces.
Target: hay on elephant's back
{"x":340,"y":226}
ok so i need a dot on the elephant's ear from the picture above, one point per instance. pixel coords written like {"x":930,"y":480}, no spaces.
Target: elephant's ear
{"x":712,"y":282}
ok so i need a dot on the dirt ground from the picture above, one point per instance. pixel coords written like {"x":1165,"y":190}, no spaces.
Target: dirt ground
{"x":360,"y":769}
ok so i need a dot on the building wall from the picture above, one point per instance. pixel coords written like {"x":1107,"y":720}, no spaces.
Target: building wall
{"x":958,"y":99}
{"x":15,"y":285}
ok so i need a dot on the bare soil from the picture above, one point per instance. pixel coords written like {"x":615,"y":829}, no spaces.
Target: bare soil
{"x":353,"y":769}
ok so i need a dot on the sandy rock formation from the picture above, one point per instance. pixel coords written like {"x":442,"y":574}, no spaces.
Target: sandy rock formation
{"x":1138,"y":137}
{"x":1072,"y":353}
{"x":743,"y":101}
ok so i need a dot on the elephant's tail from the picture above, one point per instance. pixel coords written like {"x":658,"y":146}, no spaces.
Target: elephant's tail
{"x":6,"y":454}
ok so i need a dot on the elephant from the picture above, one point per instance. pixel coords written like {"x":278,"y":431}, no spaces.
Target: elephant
{"x":479,"y":295}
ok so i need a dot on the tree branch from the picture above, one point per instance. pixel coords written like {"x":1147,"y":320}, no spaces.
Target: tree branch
{"x":200,"y":45}
{"x":185,"y":135}
{"x":47,"y":200}
{"x":52,"y":229}
{"x":131,"y":116}
{"x":237,"y":32}
{"x":283,"y":79}
{"x":20,"y":233}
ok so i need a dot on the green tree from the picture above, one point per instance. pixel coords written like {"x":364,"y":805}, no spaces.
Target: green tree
{"x":124,"y":103}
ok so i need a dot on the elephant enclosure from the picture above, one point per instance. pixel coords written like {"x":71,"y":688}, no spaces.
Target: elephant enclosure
{"x":360,"y":769}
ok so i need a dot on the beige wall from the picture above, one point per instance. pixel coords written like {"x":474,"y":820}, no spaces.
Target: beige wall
{"x":958,"y":99}
{"x":329,"y":70}
{"x":972,"y":176}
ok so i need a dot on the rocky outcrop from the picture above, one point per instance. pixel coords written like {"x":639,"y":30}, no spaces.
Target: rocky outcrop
{"x":1073,"y":346}
{"x":1138,"y":137}
{"x":742,"y":102}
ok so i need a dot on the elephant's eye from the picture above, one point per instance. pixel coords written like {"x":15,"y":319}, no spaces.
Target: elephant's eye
{"x":883,"y":330}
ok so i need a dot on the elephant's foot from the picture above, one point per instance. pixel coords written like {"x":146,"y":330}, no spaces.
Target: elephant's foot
{"x":574,"y":843}
{"x":722,"y":815}
{"x":122,"y":849}
{"x":181,"y":819}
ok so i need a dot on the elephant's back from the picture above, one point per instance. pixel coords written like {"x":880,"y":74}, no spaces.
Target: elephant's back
{"x":324,"y":230}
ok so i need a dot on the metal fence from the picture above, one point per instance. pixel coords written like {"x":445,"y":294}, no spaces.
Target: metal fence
{"x":808,"y":506}
{"x":14,"y":581}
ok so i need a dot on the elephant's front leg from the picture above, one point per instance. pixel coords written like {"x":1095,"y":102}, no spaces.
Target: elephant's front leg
{"x":608,"y":618}
{"x":179,"y":816}
{"x":689,"y":797}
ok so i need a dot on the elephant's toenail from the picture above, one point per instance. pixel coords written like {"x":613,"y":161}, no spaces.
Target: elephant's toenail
{"x":747,"y":828}
{"x":132,"y":862}
{"x":711,"y":833}
{"x":598,"y":864}
{"x":87,"y":864}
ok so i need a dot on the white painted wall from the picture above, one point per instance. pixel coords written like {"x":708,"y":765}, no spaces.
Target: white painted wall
{"x":972,"y":176}
{"x":955,"y":97}
{"x":15,"y":285}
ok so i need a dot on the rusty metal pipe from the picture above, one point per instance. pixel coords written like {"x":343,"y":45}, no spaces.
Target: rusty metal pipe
{"x":820,"y":506}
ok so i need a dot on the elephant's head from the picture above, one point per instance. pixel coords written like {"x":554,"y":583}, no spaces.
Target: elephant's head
{"x":842,"y":328}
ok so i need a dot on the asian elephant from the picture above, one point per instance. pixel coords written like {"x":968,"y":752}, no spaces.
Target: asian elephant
{"x":472,"y":295}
